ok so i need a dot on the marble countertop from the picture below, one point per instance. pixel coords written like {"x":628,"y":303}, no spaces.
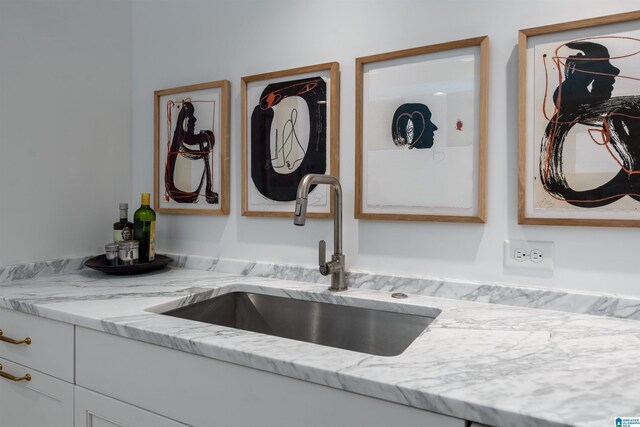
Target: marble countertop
{"x":495,"y":364}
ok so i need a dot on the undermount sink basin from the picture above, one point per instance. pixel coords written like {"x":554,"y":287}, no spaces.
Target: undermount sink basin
{"x":378,"y":332}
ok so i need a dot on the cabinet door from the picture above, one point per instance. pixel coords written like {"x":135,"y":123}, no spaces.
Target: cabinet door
{"x":96,"y":410}
{"x":43,"y":401}
{"x":204,"y":392}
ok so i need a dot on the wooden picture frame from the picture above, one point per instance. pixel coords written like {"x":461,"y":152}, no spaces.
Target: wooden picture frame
{"x":191,"y":155}
{"x":579,"y":123}
{"x":290,"y":127}
{"x":421,"y":133}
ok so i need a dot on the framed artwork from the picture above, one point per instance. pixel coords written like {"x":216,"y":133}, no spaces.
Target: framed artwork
{"x":191,"y":156}
{"x":579,"y":123}
{"x":289,"y":129}
{"x":421,"y":133}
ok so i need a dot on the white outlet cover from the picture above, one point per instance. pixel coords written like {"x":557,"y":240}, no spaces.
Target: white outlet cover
{"x":547,"y":263}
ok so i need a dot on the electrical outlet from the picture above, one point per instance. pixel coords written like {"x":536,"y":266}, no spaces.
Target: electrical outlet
{"x":528,"y":254}
{"x":537,"y":255}
{"x":520,"y":255}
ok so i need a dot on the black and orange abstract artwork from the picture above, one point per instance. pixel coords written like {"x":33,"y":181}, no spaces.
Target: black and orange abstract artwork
{"x":280,"y":155}
{"x":585,"y":98}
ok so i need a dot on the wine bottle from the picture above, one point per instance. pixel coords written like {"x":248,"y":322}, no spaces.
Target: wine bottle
{"x":123,"y":229}
{"x":144,"y":229}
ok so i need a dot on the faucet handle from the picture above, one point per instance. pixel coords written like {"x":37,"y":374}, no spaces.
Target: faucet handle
{"x":322,"y":249}
{"x":324,"y":267}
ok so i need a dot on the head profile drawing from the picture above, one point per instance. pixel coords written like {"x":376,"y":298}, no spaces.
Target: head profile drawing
{"x":187,"y":115}
{"x":585,"y":97}
{"x":411,"y":126}
{"x":589,"y":75}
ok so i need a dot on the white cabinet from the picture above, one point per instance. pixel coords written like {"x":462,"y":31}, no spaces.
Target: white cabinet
{"x":48,"y":359}
{"x":95,"y":410}
{"x":121,"y":382}
{"x":199,"y":391}
{"x":43,"y":401}
{"x":51,"y":348}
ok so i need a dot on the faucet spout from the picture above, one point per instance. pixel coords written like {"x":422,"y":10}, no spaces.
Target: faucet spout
{"x":300,"y":214}
{"x":335,"y":267}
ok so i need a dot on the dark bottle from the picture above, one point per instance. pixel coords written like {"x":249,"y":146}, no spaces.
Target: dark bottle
{"x":144,"y":229}
{"x":123,"y":229}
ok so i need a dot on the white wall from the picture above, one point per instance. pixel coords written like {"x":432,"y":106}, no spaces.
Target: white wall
{"x":65,"y":125}
{"x":184,"y":42}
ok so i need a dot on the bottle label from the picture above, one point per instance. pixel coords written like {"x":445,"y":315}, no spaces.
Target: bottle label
{"x":152,"y":241}
{"x":125,"y":234}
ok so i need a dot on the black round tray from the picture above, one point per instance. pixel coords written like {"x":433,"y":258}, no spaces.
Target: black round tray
{"x":100,"y":263}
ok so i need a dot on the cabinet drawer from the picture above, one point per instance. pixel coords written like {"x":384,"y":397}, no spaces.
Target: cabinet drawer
{"x":51,"y":350}
{"x":43,"y":401}
{"x":204,"y":392}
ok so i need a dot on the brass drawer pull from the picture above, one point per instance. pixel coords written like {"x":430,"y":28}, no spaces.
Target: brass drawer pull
{"x":27,"y":377}
{"x":26,"y":341}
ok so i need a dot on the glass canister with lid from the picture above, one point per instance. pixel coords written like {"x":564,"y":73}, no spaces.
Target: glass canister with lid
{"x":111,"y":252}
{"x":128,"y":252}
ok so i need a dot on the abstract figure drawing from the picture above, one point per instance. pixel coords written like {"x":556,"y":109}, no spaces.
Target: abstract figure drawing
{"x":187,"y":144}
{"x":584,"y":97}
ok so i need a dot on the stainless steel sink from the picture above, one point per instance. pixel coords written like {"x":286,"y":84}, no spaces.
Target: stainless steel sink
{"x":382,"y":333}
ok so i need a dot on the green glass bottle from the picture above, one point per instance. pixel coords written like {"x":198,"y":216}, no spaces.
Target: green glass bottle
{"x":144,"y":229}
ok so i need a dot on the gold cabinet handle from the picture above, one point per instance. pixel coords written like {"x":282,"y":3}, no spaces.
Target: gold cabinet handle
{"x":26,"y":341}
{"x":27,"y":377}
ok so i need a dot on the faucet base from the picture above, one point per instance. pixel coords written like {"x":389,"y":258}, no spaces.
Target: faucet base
{"x":338,"y":282}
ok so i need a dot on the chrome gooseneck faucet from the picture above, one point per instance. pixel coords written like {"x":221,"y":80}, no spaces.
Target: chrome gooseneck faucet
{"x":335,"y":267}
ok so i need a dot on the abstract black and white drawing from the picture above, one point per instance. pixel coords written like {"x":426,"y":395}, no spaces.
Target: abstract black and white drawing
{"x":289,"y":130}
{"x":288,"y":136}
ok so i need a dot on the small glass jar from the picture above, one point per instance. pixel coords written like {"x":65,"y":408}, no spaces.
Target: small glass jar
{"x":128,"y":252}
{"x":111,"y":251}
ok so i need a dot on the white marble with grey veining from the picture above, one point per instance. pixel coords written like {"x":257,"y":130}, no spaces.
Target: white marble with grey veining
{"x":598,"y":304}
{"x":15,"y":272}
{"x":595,"y":303}
{"x":496,"y":364}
